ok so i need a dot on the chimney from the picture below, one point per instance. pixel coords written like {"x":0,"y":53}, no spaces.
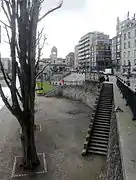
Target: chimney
{"x":134,"y":16}
{"x":128,"y":15}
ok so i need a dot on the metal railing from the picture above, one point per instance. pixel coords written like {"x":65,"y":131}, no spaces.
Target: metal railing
{"x":129,"y":95}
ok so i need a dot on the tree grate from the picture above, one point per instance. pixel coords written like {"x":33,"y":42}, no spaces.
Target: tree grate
{"x":18,"y":171}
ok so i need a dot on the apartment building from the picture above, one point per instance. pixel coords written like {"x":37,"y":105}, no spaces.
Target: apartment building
{"x":94,"y":52}
{"x":126,"y":44}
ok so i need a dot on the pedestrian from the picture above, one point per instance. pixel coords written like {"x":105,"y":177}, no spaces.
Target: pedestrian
{"x":62,"y":81}
{"x":107,"y":78}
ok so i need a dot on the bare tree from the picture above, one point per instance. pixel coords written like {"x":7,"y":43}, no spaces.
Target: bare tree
{"x":21,"y":29}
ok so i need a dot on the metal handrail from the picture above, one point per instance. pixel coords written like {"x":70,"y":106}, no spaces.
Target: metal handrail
{"x":128,"y":94}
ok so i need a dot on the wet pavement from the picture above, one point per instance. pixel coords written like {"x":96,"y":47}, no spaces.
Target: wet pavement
{"x":64,"y":126}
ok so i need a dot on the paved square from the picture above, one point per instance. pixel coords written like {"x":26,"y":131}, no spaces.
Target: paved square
{"x":18,"y":171}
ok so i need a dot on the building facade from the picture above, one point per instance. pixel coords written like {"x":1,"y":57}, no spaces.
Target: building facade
{"x":53,"y":55}
{"x":76,"y":63}
{"x":94,"y":52}
{"x":70,"y":59}
{"x":126,"y":44}
{"x":116,"y":53}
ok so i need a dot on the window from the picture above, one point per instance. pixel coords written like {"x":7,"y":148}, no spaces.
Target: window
{"x":124,"y":45}
{"x":135,"y":42}
{"x":124,"y":36}
{"x":128,"y":44}
{"x":128,"y":54}
{"x":134,"y":61}
{"x":118,"y":47}
{"x":134,"y":53}
{"x":135,"y":32}
{"x":124,"y":54}
{"x":129,"y":35}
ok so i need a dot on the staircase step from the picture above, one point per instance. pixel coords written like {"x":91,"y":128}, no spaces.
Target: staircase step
{"x":99,"y":116}
{"x":100,"y":131}
{"x":99,"y":141}
{"x":103,"y":105}
{"x":100,"y":134}
{"x":101,"y":126}
{"x":99,"y":138}
{"x":102,"y":149}
{"x":102,"y":108}
{"x":95,"y":128}
{"x":97,"y":152}
{"x":103,"y":116}
{"x":106,"y":103}
{"x":93,"y":144}
{"x":103,"y":119}
{"x":102,"y":113}
{"x":101,"y":123}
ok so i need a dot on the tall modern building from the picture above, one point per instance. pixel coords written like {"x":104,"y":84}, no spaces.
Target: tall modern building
{"x":116,"y":53}
{"x":94,"y":52}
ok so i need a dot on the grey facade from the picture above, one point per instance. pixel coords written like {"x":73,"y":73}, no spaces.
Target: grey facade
{"x":94,"y":52}
{"x":126,"y":30}
{"x":70,"y":59}
{"x":116,"y":53}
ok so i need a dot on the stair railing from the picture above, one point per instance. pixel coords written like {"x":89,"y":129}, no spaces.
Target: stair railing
{"x":129,"y":95}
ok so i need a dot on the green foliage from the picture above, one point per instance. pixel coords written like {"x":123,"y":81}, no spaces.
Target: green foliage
{"x":46,"y":87}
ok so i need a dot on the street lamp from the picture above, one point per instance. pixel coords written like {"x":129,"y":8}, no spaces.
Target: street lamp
{"x":129,"y":72}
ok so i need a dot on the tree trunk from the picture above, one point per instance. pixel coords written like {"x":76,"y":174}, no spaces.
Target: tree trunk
{"x":30,"y":157}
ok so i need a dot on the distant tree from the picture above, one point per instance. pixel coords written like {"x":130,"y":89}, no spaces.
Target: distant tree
{"x":24,"y":42}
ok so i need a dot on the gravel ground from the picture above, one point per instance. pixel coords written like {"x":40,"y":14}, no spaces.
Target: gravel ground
{"x":64,"y":124}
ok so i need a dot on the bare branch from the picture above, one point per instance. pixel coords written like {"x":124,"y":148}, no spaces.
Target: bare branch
{"x":5,"y":24}
{"x":20,"y":98}
{"x":39,"y":52}
{"x":8,"y":15}
{"x":7,"y":34}
{"x":39,"y":35}
{"x":8,"y":4}
{"x":5,"y":100}
{"x":50,"y":11}
{"x":43,"y":69}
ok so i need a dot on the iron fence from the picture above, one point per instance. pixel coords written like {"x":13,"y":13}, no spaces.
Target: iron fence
{"x":129,"y":95}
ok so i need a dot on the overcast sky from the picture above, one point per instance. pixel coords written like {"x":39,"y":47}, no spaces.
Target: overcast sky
{"x":77,"y":17}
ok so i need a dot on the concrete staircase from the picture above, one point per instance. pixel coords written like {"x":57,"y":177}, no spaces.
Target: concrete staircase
{"x":98,"y":132}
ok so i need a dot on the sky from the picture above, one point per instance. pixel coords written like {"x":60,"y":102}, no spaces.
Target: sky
{"x":65,"y":26}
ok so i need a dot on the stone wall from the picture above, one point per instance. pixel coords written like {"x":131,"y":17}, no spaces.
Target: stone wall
{"x":113,"y":169}
{"x":85,"y":93}
{"x":57,"y":91}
